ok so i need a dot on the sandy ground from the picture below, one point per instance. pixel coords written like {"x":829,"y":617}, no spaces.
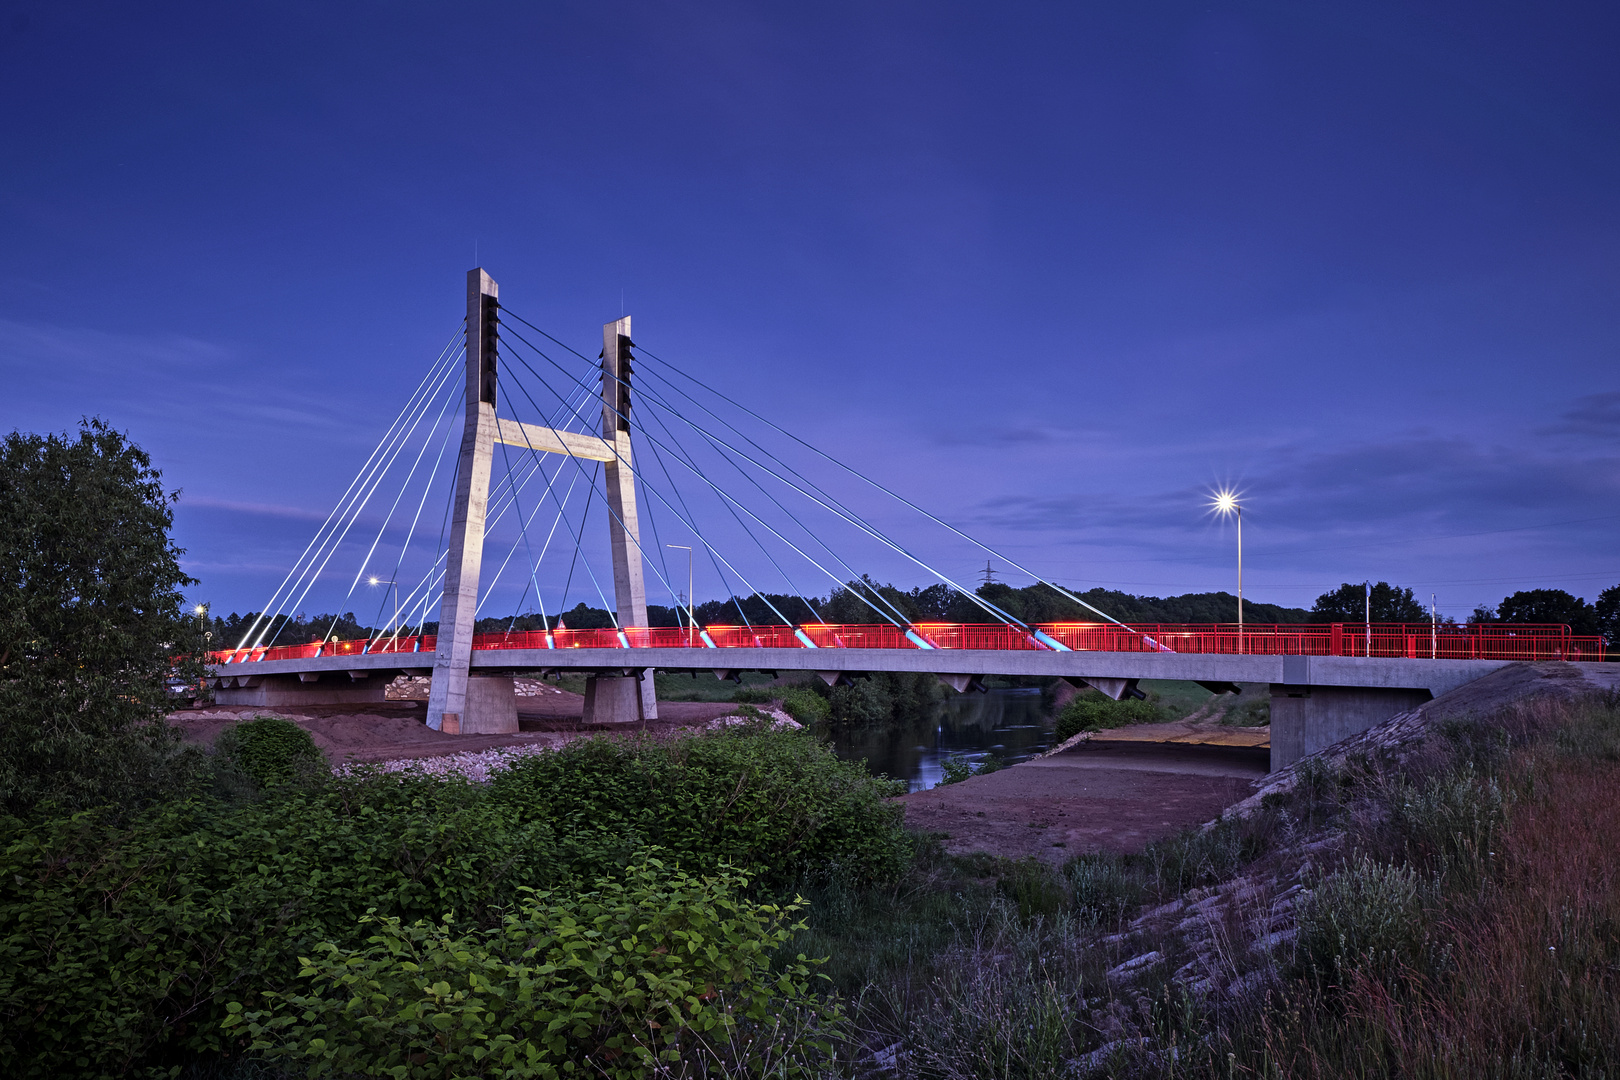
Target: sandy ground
{"x":397,"y":730}
{"x":1106,"y":794}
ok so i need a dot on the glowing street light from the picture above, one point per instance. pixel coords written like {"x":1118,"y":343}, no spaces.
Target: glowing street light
{"x":1225,"y":503}
{"x":375,"y":580}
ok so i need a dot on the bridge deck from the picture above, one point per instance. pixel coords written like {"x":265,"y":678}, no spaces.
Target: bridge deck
{"x":1416,"y":656}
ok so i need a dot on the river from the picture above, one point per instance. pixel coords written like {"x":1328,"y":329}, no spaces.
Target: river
{"x":1007,"y":723}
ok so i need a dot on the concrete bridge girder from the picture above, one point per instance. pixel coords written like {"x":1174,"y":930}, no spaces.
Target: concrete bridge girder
{"x":1316,"y":700}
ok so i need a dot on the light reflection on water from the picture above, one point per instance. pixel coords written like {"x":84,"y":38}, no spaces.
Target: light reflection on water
{"x":1007,"y":723}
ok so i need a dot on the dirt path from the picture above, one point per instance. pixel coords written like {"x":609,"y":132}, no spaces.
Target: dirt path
{"x":1101,"y":795}
{"x":397,"y":730}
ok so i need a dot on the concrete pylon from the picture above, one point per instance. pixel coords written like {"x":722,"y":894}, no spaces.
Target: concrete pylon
{"x":458,"y":702}
{"x":609,"y":698}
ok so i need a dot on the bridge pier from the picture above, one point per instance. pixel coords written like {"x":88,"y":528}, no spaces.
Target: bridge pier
{"x":1305,"y":718}
{"x":489,"y":707}
{"x":617,"y":699}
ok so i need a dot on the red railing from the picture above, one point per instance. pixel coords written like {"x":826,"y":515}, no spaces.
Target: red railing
{"x":1412,"y":640}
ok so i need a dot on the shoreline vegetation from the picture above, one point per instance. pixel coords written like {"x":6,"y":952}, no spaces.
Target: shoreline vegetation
{"x":1443,"y":911}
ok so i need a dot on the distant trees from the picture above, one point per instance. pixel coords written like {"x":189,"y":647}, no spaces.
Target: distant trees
{"x":1349,"y":603}
{"x":1607,"y":611}
{"x":1545,"y":606}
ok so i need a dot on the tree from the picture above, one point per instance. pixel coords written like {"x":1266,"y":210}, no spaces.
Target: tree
{"x":1607,"y":610}
{"x":91,"y":627}
{"x":1348,"y":603}
{"x":1549,"y":606}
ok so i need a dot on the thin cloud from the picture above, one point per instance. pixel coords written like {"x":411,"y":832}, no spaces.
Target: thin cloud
{"x":1594,"y":414}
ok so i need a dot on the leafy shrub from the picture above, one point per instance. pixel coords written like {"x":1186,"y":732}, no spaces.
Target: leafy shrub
{"x":270,"y":750}
{"x":955,"y":769}
{"x":119,"y":941}
{"x":778,"y":805}
{"x":637,"y":976}
{"x":883,"y":697}
{"x":1094,"y":712}
{"x":805,"y":705}
{"x":753,"y":695}
{"x":1367,"y":916}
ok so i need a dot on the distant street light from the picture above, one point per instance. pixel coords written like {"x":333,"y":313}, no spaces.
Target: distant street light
{"x":691,"y":616}
{"x":375,"y":580}
{"x":1225,"y":503}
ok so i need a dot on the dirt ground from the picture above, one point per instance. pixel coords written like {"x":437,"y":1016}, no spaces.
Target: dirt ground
{"x":1130,"y":786}
{"x":1105,"y":794}
{"x":397,"y":729}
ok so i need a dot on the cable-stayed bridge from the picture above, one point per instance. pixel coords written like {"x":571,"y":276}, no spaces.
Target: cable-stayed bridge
{"x":552,"y":448}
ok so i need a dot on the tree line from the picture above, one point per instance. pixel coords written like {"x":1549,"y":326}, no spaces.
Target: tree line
{"x":867,"y":601}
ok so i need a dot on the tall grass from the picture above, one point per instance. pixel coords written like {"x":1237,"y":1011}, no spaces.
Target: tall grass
{"x":1461,"y":919}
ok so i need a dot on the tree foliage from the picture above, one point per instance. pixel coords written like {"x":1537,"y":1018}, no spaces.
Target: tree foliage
{"x":91,"y":628}
{"x":1348,"y":603}
{"x":1607,"y":613}
{"x":1548,"y":606}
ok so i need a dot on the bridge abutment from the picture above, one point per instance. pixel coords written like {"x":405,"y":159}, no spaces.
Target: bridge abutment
{"x":1305,"y":719}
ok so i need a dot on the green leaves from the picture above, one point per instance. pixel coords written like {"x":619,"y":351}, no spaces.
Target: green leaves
{"x":91,"y":630}
{"x":656,"y":966}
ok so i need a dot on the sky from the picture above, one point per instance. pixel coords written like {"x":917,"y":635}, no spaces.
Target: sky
{"x":1053,"y":272}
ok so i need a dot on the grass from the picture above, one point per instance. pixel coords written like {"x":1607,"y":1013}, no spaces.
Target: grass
{"x":1461,"y":918}
{"x":677,"y":686}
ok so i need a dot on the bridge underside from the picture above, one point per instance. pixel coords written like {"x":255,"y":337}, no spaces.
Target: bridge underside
{"x":1316,"y":700}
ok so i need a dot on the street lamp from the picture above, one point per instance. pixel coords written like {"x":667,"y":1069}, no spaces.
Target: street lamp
{"x":1225,"y":503}
{"x":375,"y":580}
{"x":691,"y":616}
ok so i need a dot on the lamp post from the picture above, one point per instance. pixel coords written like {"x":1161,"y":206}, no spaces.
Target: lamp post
{"x":1226,"y":504}
{"x":691,"y":617}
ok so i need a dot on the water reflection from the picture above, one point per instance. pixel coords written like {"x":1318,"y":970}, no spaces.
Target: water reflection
{"x":1007,"y":723}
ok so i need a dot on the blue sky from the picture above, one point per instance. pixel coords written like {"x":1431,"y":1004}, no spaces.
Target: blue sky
{"x":1051,"y":270}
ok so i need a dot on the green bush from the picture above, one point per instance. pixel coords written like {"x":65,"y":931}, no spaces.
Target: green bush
{"x":778,"y":805}
{"x":753,"y":695}
{"x":646,"y":975}
{"x":270,"y":750}
{"x":805,"y":705}
{"x":1094,"y":712}
{"x":118,"y":943}
{"x":121,"y":940}
{"x":883,"y":697}
{"x":957,"y":768}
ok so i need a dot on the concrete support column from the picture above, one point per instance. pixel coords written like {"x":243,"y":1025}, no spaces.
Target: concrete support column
{"x":616,"y":699}
{"x":1305,"y":719}
{"x":624,"y":526}
{"x":448,"y":700}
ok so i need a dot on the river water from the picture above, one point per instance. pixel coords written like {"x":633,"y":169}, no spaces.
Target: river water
{"x":1009,"y":724}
